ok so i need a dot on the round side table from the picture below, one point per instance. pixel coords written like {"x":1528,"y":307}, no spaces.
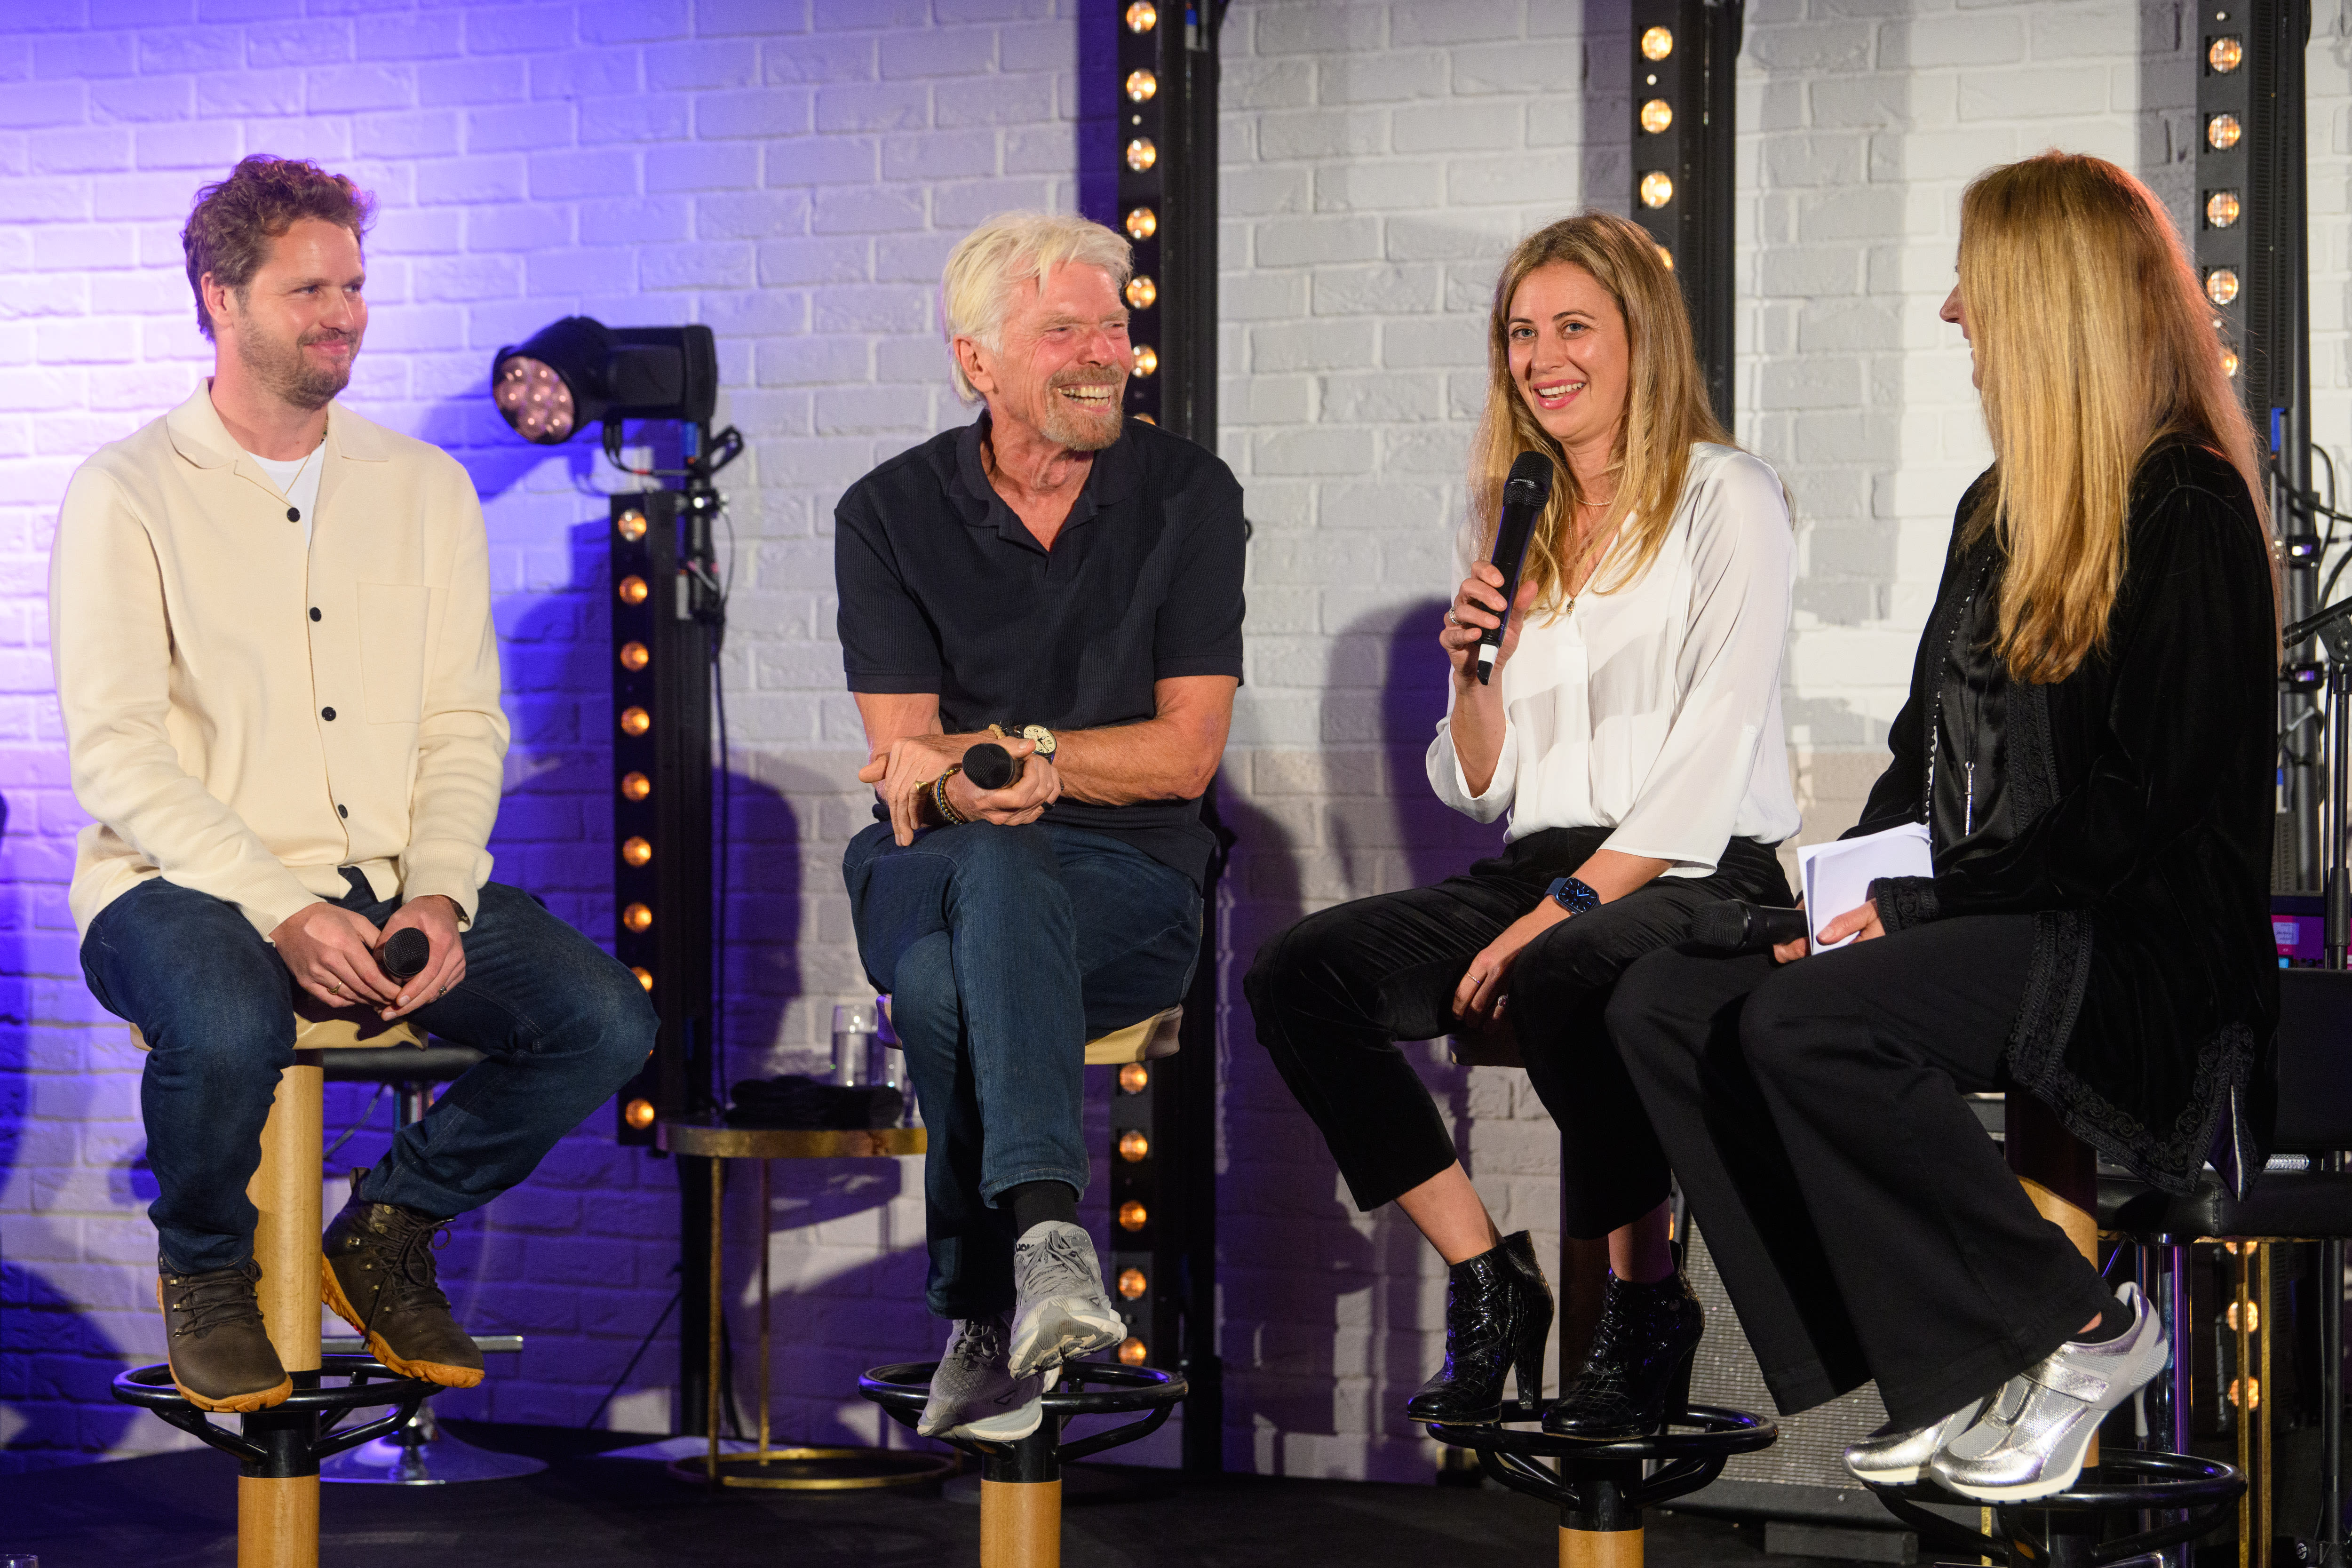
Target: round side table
{"x":794,"y":1468}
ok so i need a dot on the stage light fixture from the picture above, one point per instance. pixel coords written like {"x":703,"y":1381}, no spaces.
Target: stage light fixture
{"x":635,"y":720}
{"x":1131,"y":1283}
{"x":2222,"y":209}
{"x":1140,"y":86}
{"x":579,"y":372}
{"x":1142,"y":17}
{"x":2222,"y":132}
{"x":1147,"y":359}
{"x":1134,"y":1147}
{"x":636,"y":849}
{"x":645,"y":976}
{"x":1142,"y":154}
{"x":633,"y":589}
{"x":638,"y":917}
{"x":1133,"y":1351}
{"x":2225,"y":54}
{"x":1141,"y":292}
{"x":1142,"y":223}
{"x":1134,"y":1078}
{"x":1658,"y":189}
{"x":631,"y":524}
{"x":635,"y":786}
{"x":635,"y":656}
{"x":1657,"y":43}
{"x":2230,"y":363}
{"x":1133,"y":1216}
{"x":2221,"y":285}
{"x":639,"y":1114}
{"x":1657,"y":115}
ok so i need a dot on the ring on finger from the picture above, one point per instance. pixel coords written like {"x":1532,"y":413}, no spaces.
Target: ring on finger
{"x":1451,"y":618}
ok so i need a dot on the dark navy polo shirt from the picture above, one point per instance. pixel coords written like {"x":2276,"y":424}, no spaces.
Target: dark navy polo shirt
{"x":944,"y":590}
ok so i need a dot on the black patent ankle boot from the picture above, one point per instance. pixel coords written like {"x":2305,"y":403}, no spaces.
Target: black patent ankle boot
{"x":1497,"y":1319}
{"x":1637,"y":1374}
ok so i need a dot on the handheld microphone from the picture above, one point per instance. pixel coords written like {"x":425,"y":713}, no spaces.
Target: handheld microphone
{"x":1524,"y":494}
{"x":1731,"y":928}
{"x":990,"y":766}
{"x":404,"y":954}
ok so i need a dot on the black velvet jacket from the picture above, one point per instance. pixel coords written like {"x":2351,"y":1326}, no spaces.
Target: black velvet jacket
{"x":2141,"y":805}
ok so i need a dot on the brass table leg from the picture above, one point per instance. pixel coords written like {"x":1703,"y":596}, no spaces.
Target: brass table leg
{"x":765,"y":1213}
{"x":717,"y":1233}
{"x":2262,"y":1386}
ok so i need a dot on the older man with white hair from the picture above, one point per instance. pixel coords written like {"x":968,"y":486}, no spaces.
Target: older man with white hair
{"x":1074,"y":580}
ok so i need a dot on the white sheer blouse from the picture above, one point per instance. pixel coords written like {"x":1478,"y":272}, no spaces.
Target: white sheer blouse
{"x":1653,"y":710}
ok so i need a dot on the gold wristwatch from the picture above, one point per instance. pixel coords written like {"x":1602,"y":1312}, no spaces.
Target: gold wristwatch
{"x":1038,"y":734}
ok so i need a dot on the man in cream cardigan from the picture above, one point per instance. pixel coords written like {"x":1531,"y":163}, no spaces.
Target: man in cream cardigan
{"x":270,"y":621}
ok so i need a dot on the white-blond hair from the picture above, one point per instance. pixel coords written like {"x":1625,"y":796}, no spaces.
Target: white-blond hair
{"x":976,"y":289}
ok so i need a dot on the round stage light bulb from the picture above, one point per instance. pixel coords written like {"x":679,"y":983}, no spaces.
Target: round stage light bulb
{"x":2230,"y":363}
{"x":2225,"y":56}
{"x":640,"y":1114}
{"x":1142,"y":223}
{"x":1131,"y":1283}
{"x":645,"y":976}
{"x":638,"y":916}
{"x":2221,"y":285}
{"x":1147,"y":418}
{"x":1142,"y":17}
{"x":535,"y":400}
{"x":633,"y":589}
{"x":1132,"y":1351}
{"x":1141,"y":85}
{"x":1656,"y":115}
{"x":2222,"y":132}
{"x":1134,"y":1077}
{"x":635,"y":786}
{"x":1133,"y":1147}
{"x":635,"y":720}
{"x":1657,"y":43}
{"x":1657,"y":190}
{"x":1132,"y":1215}
{"x":1147,"y":359}
{"x":632,"y":524}
{"x":1142,"y":154}
{"x":636,"y":656}
{"x":1666,"y":258}
{"x":1141,"y":291}
{"x":2222,"y":209}
{"x":635,"y":850}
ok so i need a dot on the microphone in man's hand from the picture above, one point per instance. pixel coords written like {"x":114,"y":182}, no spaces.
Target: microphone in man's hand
{"x":404,"y":954}
{"x":1524,"y":494}
{"x":990,"y":766}
{"x":1731,"y":928}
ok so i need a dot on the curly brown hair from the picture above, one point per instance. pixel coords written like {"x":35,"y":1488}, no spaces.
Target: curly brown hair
{"x":236,"y":220}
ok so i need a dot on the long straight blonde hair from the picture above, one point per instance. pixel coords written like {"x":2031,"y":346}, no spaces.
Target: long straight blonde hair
{"x":2093,"y":342}
{"x":1665,"y":407}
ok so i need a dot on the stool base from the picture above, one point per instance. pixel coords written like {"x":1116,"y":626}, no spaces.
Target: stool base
{"x":422,"y":1455}
{"x":819,"y":1469}
{"x":1020,"y":1524}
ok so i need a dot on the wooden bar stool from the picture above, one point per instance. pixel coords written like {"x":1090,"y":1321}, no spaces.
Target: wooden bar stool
{"x":281,"y":1447}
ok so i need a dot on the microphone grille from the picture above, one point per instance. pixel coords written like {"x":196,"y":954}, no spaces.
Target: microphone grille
{"x":1532,"y":468}
{"x":1719,"y":925}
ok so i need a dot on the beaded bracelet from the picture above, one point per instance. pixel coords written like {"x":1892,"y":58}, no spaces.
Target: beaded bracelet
{"x":948,"y":814}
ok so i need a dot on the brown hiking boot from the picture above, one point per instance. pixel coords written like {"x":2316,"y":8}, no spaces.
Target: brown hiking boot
{"x":377,"y":1275}
{"x":221,"y":1359}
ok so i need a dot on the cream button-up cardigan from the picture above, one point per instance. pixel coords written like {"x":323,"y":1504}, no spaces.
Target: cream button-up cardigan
{"x":244,"y":715}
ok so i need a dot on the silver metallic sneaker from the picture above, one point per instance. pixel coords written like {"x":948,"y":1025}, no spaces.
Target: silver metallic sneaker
{"x":974,"y":1394}
{"x":1062,"y":1310}
{"x":1889,"y":1458}
{"x":2031,"y":1444}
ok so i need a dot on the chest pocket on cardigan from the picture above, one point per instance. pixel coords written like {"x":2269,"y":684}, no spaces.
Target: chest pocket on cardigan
{"x":394,"y":622}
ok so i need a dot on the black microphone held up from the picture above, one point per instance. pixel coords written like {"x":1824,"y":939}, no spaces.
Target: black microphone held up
{"x":1524,"y":494}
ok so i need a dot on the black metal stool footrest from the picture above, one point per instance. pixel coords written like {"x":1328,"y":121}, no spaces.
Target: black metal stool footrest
{"x":290,"y":1437}
{"x":903,"y":1388}
{"x":1604,"y":1486}
{"x":2126,"y":1482}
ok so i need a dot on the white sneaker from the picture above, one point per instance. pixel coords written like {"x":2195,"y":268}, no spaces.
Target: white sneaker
{"x":1889,"y":1458}
{"x":974,"y":1394}
{"x":1062,"y":1310}
{"x":2031,"y":1444}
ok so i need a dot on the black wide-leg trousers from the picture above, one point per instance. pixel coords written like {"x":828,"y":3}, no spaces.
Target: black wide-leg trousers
{"x":1334,"y":993}
{"x":1863,"y":1223}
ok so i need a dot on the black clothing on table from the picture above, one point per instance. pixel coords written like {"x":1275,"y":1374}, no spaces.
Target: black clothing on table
{"x":1334,"y":993}
{"x":1863,"y":1224}
{"x":2136,"y":830}
{"x":943,"y":590}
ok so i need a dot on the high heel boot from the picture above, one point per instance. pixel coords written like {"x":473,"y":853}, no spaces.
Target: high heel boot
{"x":1637,"y":1374}
{"x":1498,"y":1319}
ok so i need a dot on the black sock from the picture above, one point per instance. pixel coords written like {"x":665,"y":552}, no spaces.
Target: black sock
{"x":2115,"y":1321}
{"x":1035,"y":1203}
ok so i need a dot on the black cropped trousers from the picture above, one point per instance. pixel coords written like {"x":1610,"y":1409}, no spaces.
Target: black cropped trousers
{"x":1333,"y":995}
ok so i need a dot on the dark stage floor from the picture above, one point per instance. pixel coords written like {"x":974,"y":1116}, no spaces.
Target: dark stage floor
{"x":585,"y":1511}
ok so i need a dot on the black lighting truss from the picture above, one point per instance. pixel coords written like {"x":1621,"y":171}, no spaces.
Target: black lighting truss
{"x":1683,"y":104}
{"x":1164,"y":1181}
{"x":668,"y":615}
{"x":2251,"y":225}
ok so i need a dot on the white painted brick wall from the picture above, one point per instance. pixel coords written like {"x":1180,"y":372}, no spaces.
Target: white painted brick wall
{"x":792,"y":171}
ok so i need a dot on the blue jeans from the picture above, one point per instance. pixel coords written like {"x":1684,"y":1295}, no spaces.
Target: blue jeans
{"x":1005,"y":950}
{"x":561,"y":1022}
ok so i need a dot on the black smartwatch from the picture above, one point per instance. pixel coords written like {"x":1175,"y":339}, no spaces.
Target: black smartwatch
{"x":1572,"y":895}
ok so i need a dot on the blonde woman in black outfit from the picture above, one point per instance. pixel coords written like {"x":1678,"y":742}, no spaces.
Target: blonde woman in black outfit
{"x":2090,"y":737}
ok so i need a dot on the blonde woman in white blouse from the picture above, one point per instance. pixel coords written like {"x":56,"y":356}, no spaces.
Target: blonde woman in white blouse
{"x":1631,"y":734}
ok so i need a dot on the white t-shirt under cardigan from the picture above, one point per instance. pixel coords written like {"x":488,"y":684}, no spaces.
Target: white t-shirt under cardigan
{"x":1653,"y":710}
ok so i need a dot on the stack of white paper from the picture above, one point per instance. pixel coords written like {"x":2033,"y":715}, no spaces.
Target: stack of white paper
{"x":1836,"y":877}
